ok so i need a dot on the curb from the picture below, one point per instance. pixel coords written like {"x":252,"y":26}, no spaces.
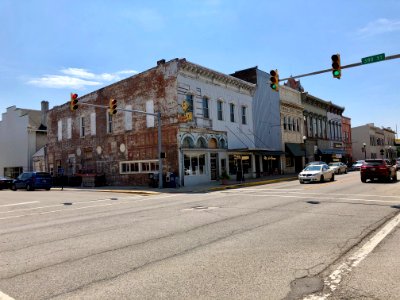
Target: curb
{"x":234,"y":186}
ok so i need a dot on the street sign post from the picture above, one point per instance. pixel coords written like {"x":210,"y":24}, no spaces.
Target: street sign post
{"x":373,"y":58}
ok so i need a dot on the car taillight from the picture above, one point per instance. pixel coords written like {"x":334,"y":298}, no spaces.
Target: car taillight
{"x":382,"y":168}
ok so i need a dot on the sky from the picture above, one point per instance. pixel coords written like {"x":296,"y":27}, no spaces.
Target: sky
{"x":51,"y":48}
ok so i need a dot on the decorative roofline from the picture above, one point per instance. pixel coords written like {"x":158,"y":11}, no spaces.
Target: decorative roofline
{"x":215,"y":75}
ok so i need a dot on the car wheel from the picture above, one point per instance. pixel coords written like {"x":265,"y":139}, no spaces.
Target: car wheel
{"x":345,"y":171}
{"x":29,"y":187}
{"x":363,"y":179}
{"x":333,"y":177}
{"x":395,"y":177}
{"x":13,"y":187}
{"x":322,"y":179}
{"x":48,"y":189}
{"x":301,"y":182}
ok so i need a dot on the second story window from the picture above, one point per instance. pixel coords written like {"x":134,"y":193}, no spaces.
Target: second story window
{"x":206,"y":113}
{"x":219,"y":110}
{"x":109,"y":123}
{"x":244,"y":113}
{"x":232,"y":112}
{"x":82,"y":126}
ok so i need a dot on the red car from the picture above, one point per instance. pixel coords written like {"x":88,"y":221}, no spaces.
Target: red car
{"x":380,"y":169}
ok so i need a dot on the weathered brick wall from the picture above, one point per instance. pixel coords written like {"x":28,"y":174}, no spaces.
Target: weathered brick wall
{"x":103,"y":152}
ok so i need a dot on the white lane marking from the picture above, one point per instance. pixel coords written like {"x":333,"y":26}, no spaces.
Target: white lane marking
{"x":284,"y":191}
{"x":16,"y":204}
{"x":334,"y":279}
{"x":78,"y":208}
{"x":319,"y":197}
{"x":5,"y":297}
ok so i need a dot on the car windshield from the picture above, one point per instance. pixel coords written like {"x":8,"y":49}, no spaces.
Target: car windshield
{"x":313,"y":168}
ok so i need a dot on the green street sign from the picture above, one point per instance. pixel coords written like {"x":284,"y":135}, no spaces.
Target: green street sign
{"x":373,"y":58}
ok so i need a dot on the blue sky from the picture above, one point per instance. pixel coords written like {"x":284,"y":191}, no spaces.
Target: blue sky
{"x":51,"y":48}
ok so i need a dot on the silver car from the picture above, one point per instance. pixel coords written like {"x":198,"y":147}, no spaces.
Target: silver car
{"x":338,"y":167}
{"x":316,"y":173}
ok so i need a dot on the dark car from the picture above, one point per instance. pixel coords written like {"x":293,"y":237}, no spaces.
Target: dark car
{"x":5,"y":182}
{"x":32,"y":180}
{"x":380,"y":169}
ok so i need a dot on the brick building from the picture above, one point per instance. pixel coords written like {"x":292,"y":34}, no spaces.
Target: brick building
{"x":205,"y":114}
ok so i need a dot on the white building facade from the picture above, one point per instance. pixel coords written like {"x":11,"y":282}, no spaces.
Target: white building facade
{"x":22,"y":134}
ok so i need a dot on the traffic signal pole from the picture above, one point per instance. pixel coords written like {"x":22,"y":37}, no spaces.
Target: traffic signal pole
{"x":342,"y":67}
{"x":159,"y":141}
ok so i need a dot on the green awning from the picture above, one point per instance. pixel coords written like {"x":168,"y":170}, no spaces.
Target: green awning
{"x":294,"y":149}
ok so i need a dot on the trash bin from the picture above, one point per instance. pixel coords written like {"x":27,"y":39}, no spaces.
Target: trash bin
{"x":153,"y":180}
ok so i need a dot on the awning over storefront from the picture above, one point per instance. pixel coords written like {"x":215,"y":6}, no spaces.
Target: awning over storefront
{"x":331,"y":151}
{"x":294,"y":149}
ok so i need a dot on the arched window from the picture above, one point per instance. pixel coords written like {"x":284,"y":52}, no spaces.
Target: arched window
{"x":187,"y":142}
{"x":212,"y":143}
{"x":222,"y":144}
{"x":201,"y":143}
{"x":284,"y":123}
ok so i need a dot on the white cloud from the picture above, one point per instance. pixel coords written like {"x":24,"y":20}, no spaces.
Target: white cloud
{"x":379,"y":26}
{"x":60,"y":82}
{"x":78,"y":78}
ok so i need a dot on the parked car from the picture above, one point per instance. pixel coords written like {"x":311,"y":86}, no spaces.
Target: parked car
{"x":338,"y":167}
{"x":398,"y":163}
{"x":32,"y":180}
{"x":5,"y":182}
{"x":318,"y":173}
{"x":380,"y":169}
{"x":357,"y":165}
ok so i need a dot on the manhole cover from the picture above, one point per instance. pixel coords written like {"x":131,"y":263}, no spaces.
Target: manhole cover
{"x":67,"y":203}
{"x":313,"y":202}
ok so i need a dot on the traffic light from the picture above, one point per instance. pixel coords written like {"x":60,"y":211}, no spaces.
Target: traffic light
{"x":73,"y":104}
{"x":113,"y":107}
{"x":274,"y":80}
{"x":336,"y":67}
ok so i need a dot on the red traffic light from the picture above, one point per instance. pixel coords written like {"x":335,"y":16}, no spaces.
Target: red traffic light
{"x":113,"y":107}
{"x":73,"y":104}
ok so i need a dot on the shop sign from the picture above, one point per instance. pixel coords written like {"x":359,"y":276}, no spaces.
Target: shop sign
{"x":269,"y":158}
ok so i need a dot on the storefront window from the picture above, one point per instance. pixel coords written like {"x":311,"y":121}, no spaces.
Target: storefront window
{"x":195,"y":164}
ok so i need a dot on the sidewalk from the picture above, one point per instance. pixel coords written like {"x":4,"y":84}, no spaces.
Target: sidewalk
{"x":203,"y":188}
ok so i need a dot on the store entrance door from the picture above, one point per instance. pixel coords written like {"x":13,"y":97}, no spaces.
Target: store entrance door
{"x":214,"y":166}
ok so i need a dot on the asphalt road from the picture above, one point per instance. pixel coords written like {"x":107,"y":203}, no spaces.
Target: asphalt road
{"x":276,"y":241}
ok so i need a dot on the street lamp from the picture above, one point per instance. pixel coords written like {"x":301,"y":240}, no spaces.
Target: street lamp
{"x":364,"y":149}
{"x":305,"y":149}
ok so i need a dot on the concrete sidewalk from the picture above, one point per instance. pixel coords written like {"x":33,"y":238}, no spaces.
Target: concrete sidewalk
{"x":203,"y":188}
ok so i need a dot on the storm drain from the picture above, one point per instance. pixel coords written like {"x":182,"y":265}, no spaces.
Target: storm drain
{"x":113,"y":198}
{"x":313,"y":202}
{"x":67,"y":203}
{"x":396,"y":206}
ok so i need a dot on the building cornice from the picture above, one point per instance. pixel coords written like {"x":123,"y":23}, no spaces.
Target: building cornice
{"x":215,"y":76}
